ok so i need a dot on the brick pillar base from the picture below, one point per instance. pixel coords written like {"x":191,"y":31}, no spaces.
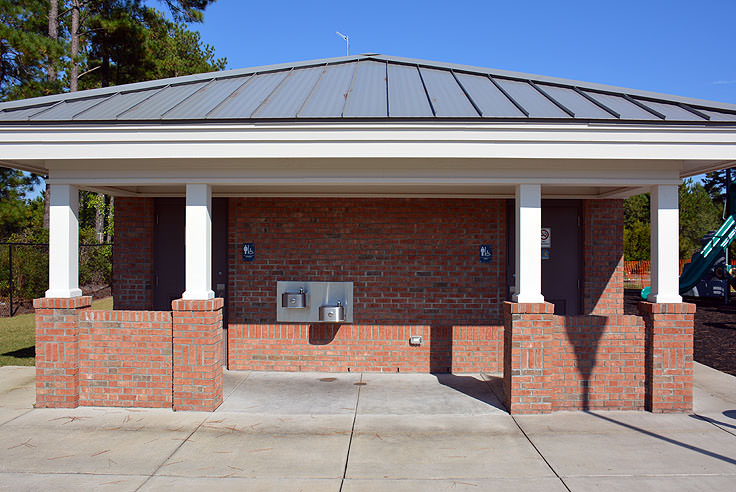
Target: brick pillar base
{"x":197,"y":367}
{"x":531,"y":357}
{"x":57,"y":350}
{"x":669,"y":356}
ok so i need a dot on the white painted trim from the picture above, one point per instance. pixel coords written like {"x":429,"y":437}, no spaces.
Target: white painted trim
{"x":380,"y":140}
{"x":528,"y":288}
{"x":64,"y":242}
{"x":198,"y":243}
{"x":665,"y":246}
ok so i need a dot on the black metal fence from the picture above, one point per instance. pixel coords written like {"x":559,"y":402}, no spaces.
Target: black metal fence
{"x":24,"y":272}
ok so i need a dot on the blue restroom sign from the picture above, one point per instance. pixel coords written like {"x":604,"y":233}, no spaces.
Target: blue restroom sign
{"x":249,"y":251}
{"x":486,"y":253}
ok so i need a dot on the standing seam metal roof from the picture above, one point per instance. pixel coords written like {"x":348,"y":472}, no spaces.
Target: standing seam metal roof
{"x":363,"y":87}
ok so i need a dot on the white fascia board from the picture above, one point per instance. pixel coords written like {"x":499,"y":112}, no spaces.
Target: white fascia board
{"x":65,"y":150}
{"x":482,"y":140}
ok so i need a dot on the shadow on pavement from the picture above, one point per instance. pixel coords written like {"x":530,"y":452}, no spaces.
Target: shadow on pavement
{"x":473,"y":387}
{"x":728,"y":413}
{"x":667,"y":439}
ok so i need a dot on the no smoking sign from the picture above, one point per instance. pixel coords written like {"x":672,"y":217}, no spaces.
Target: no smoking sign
{"x":546,"y":237}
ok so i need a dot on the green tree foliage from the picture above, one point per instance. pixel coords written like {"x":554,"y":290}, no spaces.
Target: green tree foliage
{"x":120,"y":41}
{"x":636,"y":227}
{"x":16,"y":212}
{"x":715,"y":185}
{"x":636,"y":241}
{"x":26,"y":49}
{"x":115,"y":37}
{"x":187,"y":10}
{"x":128,"y":42}
{"x":173,"y":50}
{"x":636,"y":209}
{"x":698,"y":215}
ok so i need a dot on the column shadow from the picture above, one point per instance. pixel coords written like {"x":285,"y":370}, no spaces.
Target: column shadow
{"x":584,"y":334}
{"x":480,"y":389}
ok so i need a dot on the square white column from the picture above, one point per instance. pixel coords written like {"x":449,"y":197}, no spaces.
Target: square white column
{"x":198,"y":243}
{"x":665,"y":245}
{"x":64,"y":242}
{"x":528,"y":287}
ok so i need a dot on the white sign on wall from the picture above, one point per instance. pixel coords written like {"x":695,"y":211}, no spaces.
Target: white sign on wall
{"x":546,"y":237}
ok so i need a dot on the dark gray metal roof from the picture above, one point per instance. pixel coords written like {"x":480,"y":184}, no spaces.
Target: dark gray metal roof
{"x":363,"y":87}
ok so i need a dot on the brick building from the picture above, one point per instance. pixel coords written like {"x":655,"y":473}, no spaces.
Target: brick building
{"x":405,"y":197}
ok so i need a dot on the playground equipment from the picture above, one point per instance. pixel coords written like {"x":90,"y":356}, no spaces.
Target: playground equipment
{"x":711,"y":259}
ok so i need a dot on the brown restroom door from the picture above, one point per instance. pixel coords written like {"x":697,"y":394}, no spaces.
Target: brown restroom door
{"x":168,"y":260}
{"x":169,"y":254}
{"x":561,"y":273}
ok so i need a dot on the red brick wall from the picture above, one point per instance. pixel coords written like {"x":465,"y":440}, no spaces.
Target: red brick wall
{"x":197,"y":356}
{"x":129,"y":358}
{"x":572,"y":362}
{"x":669,"y":356}
{"x":57,"y":350}
{"x":598,"y":362}
{"x":411,"y":260}
{"x":132,"y":275}
{"x":531,"y":357}
{"x":601,"y":363}
{"x":354,"y":347}
{"x":125,"y":359}
{"x":603,"y":262}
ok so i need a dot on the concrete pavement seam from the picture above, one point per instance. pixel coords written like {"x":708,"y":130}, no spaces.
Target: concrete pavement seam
{"x":172,"y":453}
{"x":352,"y":431}
{"x":237,"y":386}
{"x":540,"y":453}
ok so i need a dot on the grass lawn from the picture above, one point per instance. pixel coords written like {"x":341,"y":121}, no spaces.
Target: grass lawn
{"x":18,"y":337}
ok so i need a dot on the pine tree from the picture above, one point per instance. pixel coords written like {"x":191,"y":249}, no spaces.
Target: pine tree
{"x":26,"y":50}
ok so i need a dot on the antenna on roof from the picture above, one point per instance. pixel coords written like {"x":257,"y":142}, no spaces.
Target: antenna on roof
{"x":347,"y":40}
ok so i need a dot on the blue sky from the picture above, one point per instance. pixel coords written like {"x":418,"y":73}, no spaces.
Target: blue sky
{"x":679,"y":47}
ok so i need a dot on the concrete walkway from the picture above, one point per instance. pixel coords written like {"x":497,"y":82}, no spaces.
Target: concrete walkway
{"x":365,"y":432}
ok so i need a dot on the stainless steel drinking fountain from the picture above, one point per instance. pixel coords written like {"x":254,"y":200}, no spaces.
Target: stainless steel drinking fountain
{"x":332,"y":314}
{"x":294,"y":300}
{"x":314,"y":302}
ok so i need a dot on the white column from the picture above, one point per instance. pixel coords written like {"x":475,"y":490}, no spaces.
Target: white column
{"x":665,"y":245}
{"x":64,"y":242}
{"x":198,"y":243}
{"x":528,"y":244}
